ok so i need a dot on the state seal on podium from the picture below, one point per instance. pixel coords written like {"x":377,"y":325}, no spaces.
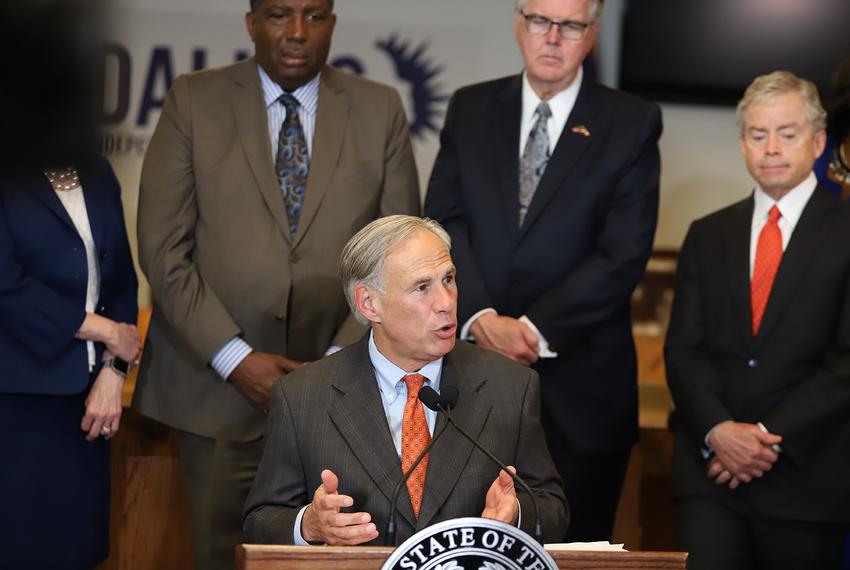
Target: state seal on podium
{"x":470,"y":543}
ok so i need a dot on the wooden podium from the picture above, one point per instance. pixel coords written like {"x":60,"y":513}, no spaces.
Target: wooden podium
{"x":263,"y":557}
{"x":149,"y":525}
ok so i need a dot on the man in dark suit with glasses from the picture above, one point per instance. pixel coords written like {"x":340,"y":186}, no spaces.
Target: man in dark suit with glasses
{"x":548,"y":185}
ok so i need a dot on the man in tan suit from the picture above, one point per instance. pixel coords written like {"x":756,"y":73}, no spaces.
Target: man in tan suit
{"x":256,"y":176}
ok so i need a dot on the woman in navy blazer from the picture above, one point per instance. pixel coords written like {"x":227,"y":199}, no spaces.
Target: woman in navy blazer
{"x":67,"y":313}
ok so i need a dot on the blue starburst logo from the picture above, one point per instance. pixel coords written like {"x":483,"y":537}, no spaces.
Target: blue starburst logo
{"x":416,"y":68}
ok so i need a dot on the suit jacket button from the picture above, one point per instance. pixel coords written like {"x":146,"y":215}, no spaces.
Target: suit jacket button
{"x":753,"y":363}
{"x":293,"y":257}
{"x":280,"y":318}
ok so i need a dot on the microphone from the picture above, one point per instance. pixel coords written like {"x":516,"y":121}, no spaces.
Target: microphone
{"x":448,"y":404}
{"x":447,"y":398}
{"x":438,"y":403}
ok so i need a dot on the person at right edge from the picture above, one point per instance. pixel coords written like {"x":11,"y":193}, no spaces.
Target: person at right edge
{"x":758,"y":353}
{"x":548,"y":185}
{"x":833,"y":166}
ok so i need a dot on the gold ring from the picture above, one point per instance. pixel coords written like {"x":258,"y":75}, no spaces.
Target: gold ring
{"x":106,"y":430}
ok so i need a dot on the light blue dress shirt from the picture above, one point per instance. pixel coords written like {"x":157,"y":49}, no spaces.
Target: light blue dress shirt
{"x":394,"y":390}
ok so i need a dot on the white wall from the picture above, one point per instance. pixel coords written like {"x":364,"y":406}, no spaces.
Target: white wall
{"x":701,"y":170}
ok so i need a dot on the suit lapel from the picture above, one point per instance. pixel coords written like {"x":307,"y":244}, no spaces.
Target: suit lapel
{"x":506,"y":127}
{"x":331,"y":119}
{"x":44,"y":191}
{"x":450,"y":454}
{"x":359,"y":416}
{"x":737,"y":253}
{"x":570,"y":147}
{"x":249,"y":112}
{"x":805,"y":242}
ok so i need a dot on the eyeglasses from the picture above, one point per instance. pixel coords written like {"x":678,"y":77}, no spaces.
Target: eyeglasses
{"x":569,"y":29}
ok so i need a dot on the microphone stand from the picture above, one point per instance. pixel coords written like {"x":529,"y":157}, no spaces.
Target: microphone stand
{"x":391,"y":526}
{"x":538,"y":523}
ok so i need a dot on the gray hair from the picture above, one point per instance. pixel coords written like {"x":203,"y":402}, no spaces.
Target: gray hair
{"x":595,"y":8}
{"x":362,"y":259}
{"x":768,"y":86}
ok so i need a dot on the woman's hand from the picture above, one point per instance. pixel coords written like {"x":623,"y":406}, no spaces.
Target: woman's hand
{"x":121,"y":339}
{"x":124,"y":342}
{"x":103,"y":406}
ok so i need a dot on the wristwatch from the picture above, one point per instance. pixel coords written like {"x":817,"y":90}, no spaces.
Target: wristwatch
{"x":120,"y":366}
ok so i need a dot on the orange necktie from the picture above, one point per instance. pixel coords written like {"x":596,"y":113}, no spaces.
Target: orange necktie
{"x":768,"y":256}
{"x":414,"y":438}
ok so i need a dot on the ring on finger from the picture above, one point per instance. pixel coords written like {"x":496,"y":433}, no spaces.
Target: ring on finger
{"x":105,"y":430}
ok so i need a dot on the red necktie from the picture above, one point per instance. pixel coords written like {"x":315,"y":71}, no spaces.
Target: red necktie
{"x":768,"y":256}
{"x":414,"y":438}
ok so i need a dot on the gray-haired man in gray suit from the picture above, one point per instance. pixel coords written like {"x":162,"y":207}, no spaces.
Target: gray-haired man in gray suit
{"x":339,"y":430}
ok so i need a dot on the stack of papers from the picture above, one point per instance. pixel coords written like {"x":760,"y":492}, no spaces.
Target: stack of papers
{"x":598,"y":546}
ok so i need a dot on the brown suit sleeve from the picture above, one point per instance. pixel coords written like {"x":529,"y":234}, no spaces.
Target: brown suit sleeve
{"x":168,"y":213}
{"x":400,"y":194}
{"x":401,"y":182}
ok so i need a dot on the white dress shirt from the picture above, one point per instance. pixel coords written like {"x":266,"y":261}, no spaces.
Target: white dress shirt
{"x":791,"y":207}
{"x":561,"y":104}
{"x":75,"y":204}
{"x":308,"y":102}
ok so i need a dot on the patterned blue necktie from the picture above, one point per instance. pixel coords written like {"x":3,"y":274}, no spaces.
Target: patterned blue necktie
{"x":293,"y":161}
{"x":534,"y":159}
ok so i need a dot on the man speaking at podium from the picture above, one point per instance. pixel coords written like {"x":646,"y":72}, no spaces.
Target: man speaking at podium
{"x":341,"y":431}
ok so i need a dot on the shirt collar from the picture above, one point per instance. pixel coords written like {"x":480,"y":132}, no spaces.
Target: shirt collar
{"x":561,"y":104}
{"x":791,"y":205}
{"x":390,"y":376}
{"x":307,"y":94}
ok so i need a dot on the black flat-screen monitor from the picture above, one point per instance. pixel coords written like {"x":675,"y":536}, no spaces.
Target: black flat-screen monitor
{"x":708,"y":51}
